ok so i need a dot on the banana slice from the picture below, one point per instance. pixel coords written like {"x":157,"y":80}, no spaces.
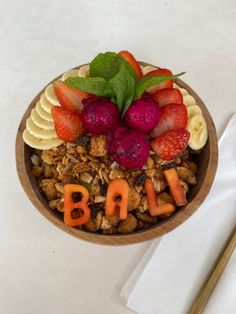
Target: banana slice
{"x":84,"y":71}
{"x":184,"y":91}
{"x":38,"y":143}
{"x":42,"y":113}
{"x":50,"y":95}
{"x":70,"y":73}
{"x":46,"y":105}
{"x":198,"y":132}
{"x":39,"y":132}
{"x":147,"y":68}
{"x":40,"y":122}
{"x":193,"y":110}
{"x":188,"y":100}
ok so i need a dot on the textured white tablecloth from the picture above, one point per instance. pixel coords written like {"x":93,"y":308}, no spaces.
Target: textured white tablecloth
{"x":42,"y":269}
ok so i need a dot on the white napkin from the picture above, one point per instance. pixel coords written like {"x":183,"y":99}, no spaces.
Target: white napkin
{"x":170,"y":274}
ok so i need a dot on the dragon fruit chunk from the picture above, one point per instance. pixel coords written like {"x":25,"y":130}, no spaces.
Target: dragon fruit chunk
{"x":143,"y":114}
{"x":129,"y":148}
{"x":99,"y":115}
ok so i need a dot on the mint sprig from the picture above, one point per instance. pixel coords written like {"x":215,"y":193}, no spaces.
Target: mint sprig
{"x":113,"y":77}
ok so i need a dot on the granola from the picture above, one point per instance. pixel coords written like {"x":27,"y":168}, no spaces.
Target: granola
{"x":87,"y":163}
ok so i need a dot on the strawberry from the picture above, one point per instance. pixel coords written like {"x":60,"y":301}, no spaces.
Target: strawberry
{"x":168,"y":96}
{"x":173,"y":116}
{"x":166,"y":84}
{"x":132,"y":61}
{"x":69,"y":98}
{"x":171,"y":143}
{"x":68,"y":124}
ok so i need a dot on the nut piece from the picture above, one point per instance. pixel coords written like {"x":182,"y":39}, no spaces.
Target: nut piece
{"x":143,"y":205}
{"x":116,"y":173}
{"x":134,"y":199}
{"x":98,"y":144}
{"x":106,"y":224}
{"x":159,"y":184}
{"x":48,"y":188}
{"x":60,"y":206}
{"x":86,"y":177}
{"x":185,"y":186}
{"x":98,"y":220}
{"x":186,"y":175}
{"x":95,"y":188}
{"x":60,"y":187}
{"x":94,"y":223}
{"x":99,"y":199}
{"x":128,"y":225}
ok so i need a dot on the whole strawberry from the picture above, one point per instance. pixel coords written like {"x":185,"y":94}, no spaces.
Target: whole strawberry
{"x":99,"y":115}
{"x":129,"y":148}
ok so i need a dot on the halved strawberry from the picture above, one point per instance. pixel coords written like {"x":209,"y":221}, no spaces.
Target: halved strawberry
{"x":166,"y":84}
{"x":171,"y":143}
{"x":173,"y":116}
{"x":68,"y":124}
{"x":168,"y":96}
{"x":132,"y":61}
{"x":69,"y":98}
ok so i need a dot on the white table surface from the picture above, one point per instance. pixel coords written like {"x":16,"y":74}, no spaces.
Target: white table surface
{"x":42,"y":269}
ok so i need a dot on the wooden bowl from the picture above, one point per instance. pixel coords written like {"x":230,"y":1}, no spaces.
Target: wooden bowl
{"x":207,"y":163}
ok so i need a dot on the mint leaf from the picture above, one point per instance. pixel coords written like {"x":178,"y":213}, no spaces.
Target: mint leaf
{"x":149,"y":81}
{"x":121,"y":88}
{"x":93,"y":85}
{"x":105,"y":65}
{"x":108,"y":64}
{"x":129,"y":68}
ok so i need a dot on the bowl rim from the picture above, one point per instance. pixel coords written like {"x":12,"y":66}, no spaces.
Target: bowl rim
{"x":139,"y":236}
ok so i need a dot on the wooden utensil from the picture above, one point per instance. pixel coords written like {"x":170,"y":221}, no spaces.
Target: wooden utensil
{"x":214,"y":275}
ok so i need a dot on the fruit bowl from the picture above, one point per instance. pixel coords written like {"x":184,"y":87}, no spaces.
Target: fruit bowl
{"x":207,"y":164}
